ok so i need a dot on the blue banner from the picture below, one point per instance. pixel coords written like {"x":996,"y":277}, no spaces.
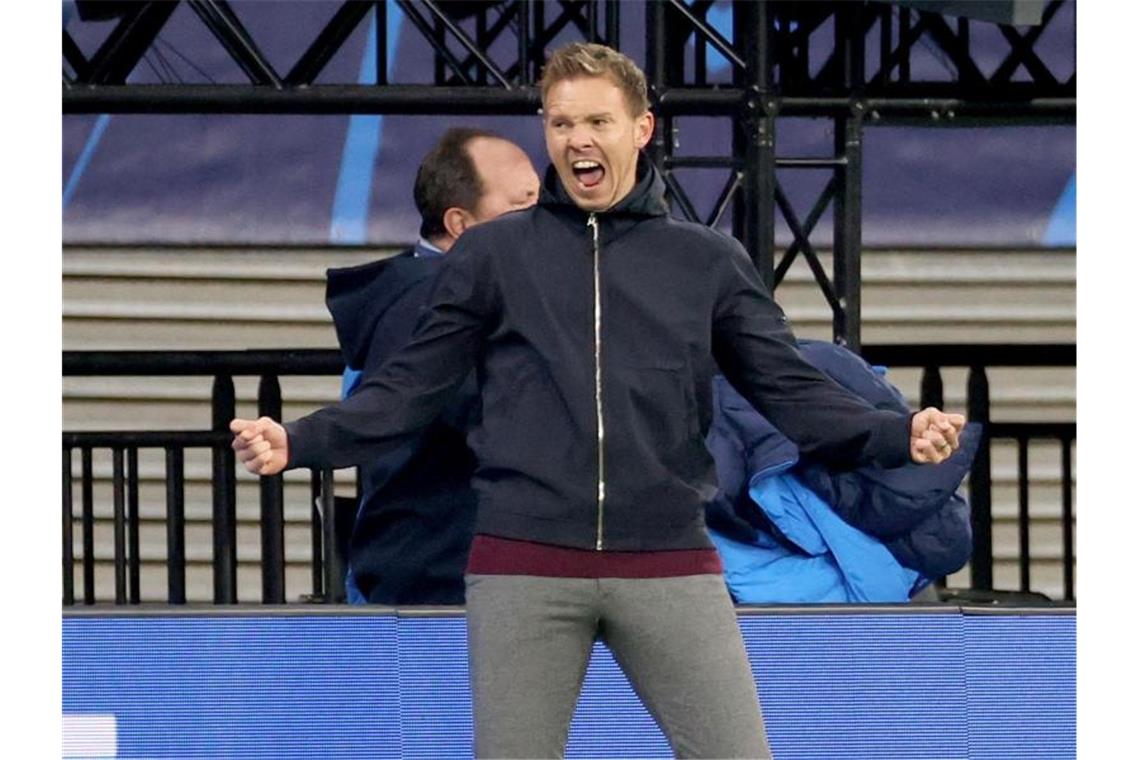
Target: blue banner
{"x":880,"y":684}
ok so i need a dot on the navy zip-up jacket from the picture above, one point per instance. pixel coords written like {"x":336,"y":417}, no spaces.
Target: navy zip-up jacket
{"x":596,"y":385}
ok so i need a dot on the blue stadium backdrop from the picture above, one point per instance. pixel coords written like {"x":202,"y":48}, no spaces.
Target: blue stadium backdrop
{"x":868,"y":683}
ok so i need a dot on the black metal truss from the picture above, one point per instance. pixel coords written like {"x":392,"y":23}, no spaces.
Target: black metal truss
{"x":124,"y":47}
{"x":895,"y":33}
{"x":489,"y":53}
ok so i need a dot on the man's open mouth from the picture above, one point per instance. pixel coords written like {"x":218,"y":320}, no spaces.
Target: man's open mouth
{"x":589,"y":173}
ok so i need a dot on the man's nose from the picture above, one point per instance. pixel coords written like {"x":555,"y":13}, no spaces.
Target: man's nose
{"x":580,"y":137}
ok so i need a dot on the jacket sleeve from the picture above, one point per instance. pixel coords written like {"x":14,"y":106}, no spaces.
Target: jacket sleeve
{"x":756,"y":351}
{"x":411,"y":388}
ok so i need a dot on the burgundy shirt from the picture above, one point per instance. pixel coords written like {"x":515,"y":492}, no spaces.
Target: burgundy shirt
{"x":491,"y":555}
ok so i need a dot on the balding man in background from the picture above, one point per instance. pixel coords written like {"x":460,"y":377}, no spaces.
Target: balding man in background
{"x":414,"y":524}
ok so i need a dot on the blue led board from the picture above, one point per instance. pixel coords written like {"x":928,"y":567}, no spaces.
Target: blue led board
{"x":874,"y":684}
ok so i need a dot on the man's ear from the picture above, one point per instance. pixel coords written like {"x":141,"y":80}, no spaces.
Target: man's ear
{"x":456,"y":221}
{"x":644,"y":129}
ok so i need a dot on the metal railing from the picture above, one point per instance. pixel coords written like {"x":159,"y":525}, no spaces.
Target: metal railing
{"x":978,"y":358}
{"x":223,"y":366}
{"x":327,"y":563}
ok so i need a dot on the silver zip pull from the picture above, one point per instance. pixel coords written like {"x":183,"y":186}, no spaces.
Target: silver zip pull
{"x":592,"y":223}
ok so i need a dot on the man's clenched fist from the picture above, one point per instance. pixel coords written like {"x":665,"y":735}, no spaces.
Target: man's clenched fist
{"x":934,"y":435}
{"x":261,"y":445}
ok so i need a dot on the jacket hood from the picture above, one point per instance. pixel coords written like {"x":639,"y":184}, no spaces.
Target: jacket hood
{"x":646,"y":199}
{"x":358,"y":296}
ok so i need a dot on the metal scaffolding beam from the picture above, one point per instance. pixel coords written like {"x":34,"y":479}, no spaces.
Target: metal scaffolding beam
{"x":864,"y":57}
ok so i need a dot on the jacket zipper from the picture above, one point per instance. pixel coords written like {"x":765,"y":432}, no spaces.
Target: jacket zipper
{"x":592,"y":224}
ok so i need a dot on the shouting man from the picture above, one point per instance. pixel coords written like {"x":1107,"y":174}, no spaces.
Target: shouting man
{"x":596,"y":323}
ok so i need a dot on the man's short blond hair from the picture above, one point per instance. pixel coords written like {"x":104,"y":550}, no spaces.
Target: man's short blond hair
{"x":588,"y":59}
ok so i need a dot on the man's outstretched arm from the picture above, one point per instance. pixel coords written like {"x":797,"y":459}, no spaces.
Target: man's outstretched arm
{"x":756,"y":351}
{"x":392,"y":404}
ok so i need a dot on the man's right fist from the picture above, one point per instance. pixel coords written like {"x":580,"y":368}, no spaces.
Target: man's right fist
{"x":261,"y":445}
{"x":934,"y":435}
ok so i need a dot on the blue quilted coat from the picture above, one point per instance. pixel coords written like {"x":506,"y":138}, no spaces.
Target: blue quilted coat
{"x":793,"y":530}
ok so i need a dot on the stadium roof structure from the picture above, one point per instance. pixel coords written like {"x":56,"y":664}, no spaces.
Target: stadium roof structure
{"x":857,"y":64}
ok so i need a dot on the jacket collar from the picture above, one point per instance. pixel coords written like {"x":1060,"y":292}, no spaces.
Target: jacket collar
{"x":425,"y":250}
{"x":646,"y":199}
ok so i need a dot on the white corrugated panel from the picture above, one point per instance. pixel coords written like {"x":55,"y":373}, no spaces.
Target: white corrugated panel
{"x":241,"y":298}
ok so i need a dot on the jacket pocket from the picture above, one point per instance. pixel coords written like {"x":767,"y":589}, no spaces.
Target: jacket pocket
{"x":655,"y":453}
{"x":656,"y":402}
{"x":535,"y":443}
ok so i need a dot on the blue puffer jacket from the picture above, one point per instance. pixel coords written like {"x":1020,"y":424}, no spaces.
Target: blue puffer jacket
{"x":913,"y":510}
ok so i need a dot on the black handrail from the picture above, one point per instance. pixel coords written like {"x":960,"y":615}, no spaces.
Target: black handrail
{"x":327,"y":578}
{"x":202,"y":363}
{"x":322,"y":361}
{"x":972,"y":354}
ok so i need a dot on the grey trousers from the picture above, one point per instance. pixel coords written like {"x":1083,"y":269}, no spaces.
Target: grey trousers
{"x":676,"y":639}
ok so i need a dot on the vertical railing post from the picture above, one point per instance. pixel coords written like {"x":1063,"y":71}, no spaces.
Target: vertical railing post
{"x":272,"y":505}
{"x":88,"y":488}
{"x":175,"y":527}
{"x":68,"y":531}
{"x":1067,"y":513}
{"x":225,"y":496}
{"x":1023,"y":511}
{"x":931,"y":393}
{"x":334,"y":572}
{"x":316,"y":534}
{"x":120,"y":525}
{"x":981,"y":514}
{"x":135,"y":562}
